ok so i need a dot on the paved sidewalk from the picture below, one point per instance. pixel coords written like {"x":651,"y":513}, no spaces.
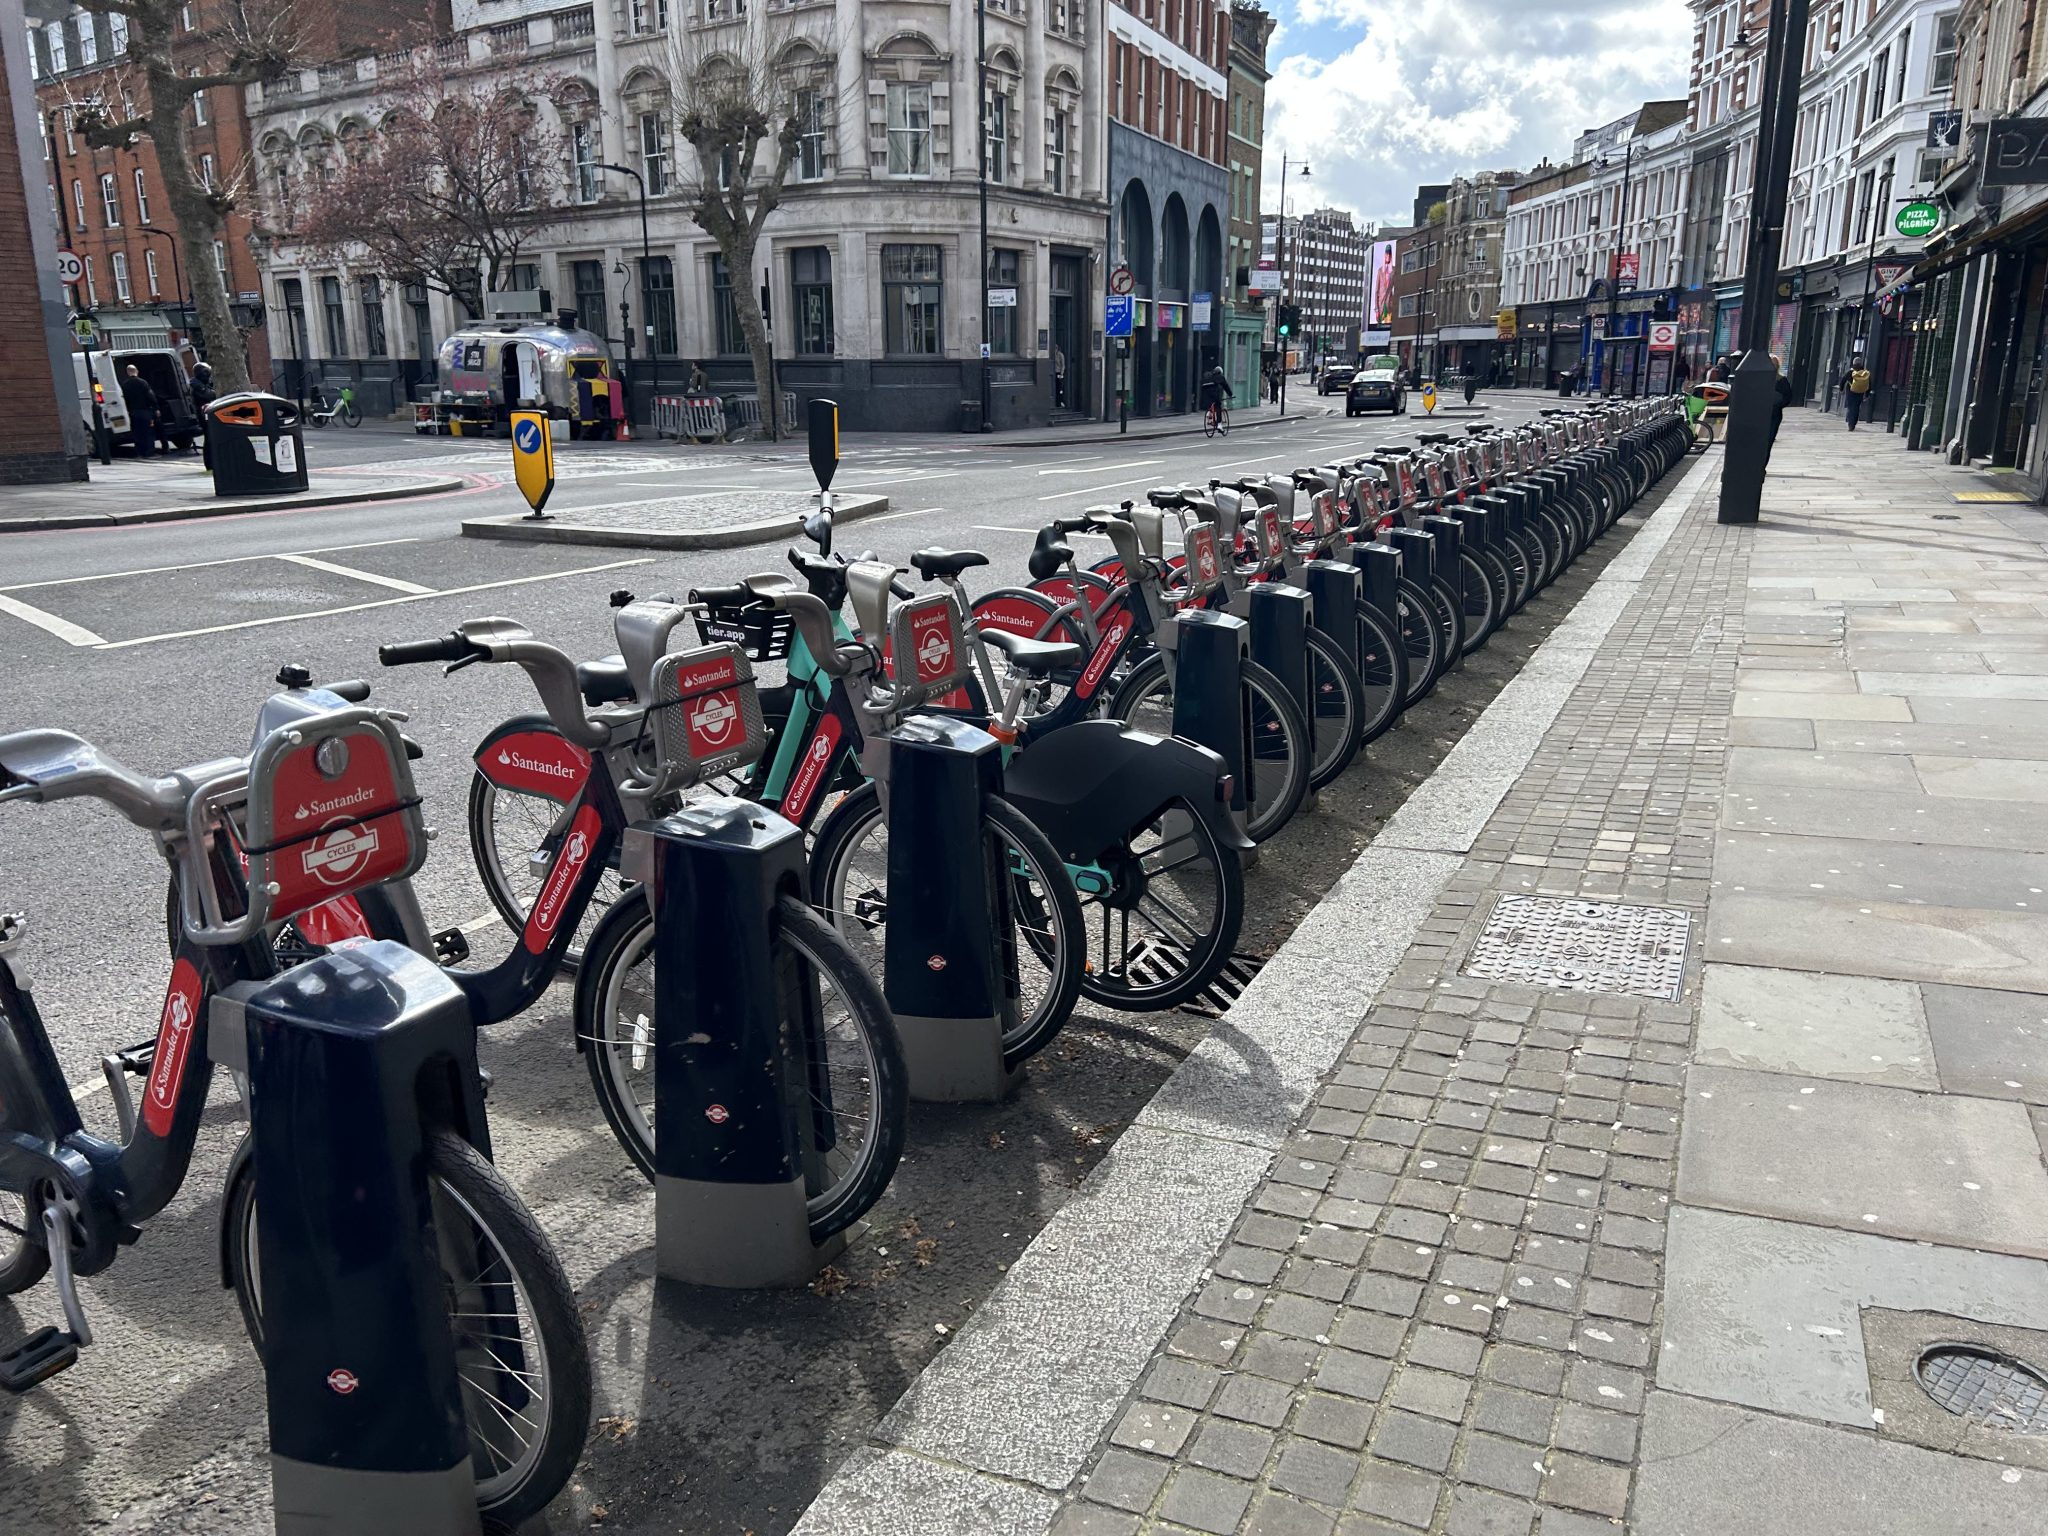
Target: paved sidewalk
{"x":1607,"y":1148}
{"x":172,"y":487}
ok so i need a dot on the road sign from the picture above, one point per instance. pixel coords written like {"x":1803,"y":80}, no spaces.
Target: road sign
{"x":1663,"y":335}
{"x":1429,"y":399}
{"x":84,"y":327}
{"x":70,"y":267}
{"x":1118,"y":312}
{"x":533,"y":458}
{"x":1121,"y":280}
{"x":1002,"y":298}
{"x":1889,"y":272}
{"x":1917,"y":219}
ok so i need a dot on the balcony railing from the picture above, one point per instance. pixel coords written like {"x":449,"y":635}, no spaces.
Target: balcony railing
{"x":571,"y":26}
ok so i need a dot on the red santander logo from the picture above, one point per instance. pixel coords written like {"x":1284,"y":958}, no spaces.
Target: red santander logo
{"x":173,"y":1046}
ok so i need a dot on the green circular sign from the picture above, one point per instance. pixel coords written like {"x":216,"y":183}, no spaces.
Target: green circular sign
{"x":1917,"y":219}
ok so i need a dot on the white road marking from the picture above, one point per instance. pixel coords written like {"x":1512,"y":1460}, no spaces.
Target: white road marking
{"x":1096,"y":490}
{"x":387,"y":602}
{"x":49,"y":623}
{"x":1266,"y":459}
{"x":1095,"y":464}
{"x":890,"y":517}
{"x":355,"y":575}
{"x":201,"y":565}
{"x":999,"y":528}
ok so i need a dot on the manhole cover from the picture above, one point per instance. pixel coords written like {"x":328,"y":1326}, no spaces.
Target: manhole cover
{"x":1984,"y":1386}
{"x":1583,"y":946}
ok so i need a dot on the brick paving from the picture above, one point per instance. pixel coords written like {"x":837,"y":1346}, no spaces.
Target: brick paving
{"x":1438,"y":1311}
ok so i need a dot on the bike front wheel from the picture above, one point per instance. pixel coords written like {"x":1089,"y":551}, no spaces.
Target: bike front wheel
{"x":1163,"y":909}
{"x":521,"y":1359}
{"x":1041,"y":959}
{"x":1336,"y":709}
{"x":350,"y":416}
{"x":833,"y":1019}
{"x":1277,"y":768}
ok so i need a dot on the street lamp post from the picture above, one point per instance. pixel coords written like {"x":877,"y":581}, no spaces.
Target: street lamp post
{"x":1280,"y":255}
{"x":981,"y":187}
{"x":177,"y":270}
{"x":1750,"y":396}
{"x":1614,"y":276}
{"x":653,"y":352}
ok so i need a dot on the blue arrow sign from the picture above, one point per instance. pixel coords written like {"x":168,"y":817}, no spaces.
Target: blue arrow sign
{"x":1117,"y":312}
{"x":527,"y":436}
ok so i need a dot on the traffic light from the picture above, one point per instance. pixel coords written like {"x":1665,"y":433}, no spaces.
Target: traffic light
{"x":1290,"y":319}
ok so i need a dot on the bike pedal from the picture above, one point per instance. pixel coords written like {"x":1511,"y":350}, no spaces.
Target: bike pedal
{"x":451,"y":946}
{"x":43,"y":1354}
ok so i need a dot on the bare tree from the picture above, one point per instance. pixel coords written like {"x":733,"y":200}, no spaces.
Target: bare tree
{"x":450,"y":189}
{"x":237,"y":42}
{"x":738,"y":112}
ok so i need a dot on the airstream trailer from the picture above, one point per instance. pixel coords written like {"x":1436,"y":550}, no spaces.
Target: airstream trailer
{"x":488,"y":371}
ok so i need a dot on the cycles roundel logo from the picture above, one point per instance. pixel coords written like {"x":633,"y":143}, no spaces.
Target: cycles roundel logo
{"x":342,"y":1380}
{"x":935,"y":652}
{"x":712,"y":717}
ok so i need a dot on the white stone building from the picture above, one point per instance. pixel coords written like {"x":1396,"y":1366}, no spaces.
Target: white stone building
{"x":870,"y":258}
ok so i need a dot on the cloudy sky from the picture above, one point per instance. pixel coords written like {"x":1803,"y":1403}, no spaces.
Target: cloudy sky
{"x":1378,"y":95}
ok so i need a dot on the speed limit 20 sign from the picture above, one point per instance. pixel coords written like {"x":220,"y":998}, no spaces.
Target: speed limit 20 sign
{"x":70,"y":267}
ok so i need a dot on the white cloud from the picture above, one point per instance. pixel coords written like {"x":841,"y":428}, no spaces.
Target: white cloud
{"x":1377,"y":102}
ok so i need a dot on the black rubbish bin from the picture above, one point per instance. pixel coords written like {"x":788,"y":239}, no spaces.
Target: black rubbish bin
{"x":970,"y":415}
{"x":255,"y":444}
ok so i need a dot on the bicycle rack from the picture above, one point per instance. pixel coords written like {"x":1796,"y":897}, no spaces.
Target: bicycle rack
{"x":1208,"y":692}
{"x":1335,"y":590}
{"x":1379,"y":569}
{"x":1279,"y":620}
{"x":367,"y":1430}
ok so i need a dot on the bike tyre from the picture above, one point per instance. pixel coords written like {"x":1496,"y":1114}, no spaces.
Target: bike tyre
{"x":1336,"y":709}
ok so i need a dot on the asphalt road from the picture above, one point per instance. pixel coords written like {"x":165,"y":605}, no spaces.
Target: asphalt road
{"x":719,"y":1413}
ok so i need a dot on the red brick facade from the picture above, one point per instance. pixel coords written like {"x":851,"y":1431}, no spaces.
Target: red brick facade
{"x":1149,"y":95}
{"x":31,"y":431}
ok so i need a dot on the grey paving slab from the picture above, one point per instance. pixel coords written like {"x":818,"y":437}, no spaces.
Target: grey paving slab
{"x":1767,"y":1314}
{"x":1905,"y":872}
{"x":1820,"y":770}
{"x":1890,"y":816}
{"x":1754,"y":680}
{"x":1944,"y":1168}
{"x":1850,"y":1028}
{"x":2008,"y":740}
{"x":1964,"y":946}
{"x":1034,"y":1378}
{"x":1925,"y":685}
{"x":888,"y":1493}
{"x":1993,"y":1044}
{"x":1948,"y":660}
{"x":1710,"y":1470}
{"x":1983,"y":778}
{"x":1822,"y":706}
{"x":2025,"y":715}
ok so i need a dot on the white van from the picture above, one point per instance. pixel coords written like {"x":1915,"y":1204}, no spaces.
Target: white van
{"x":112,"y":406}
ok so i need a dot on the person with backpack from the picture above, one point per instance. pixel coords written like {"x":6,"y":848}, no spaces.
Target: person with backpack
{"x":1855,"y":382}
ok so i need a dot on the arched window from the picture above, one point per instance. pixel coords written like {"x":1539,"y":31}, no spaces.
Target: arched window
{"x":999,"y":82}
{"x":806,"y":75}
{"x":1062,"y":133}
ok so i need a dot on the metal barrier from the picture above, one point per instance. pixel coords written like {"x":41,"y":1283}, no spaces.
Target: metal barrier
{"x":700,"y":418}
{"x":746,"y":412}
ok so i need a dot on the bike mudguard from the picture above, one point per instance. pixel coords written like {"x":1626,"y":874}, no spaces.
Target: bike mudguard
{"x":529,"y":755}
{"x":1089,"y":785}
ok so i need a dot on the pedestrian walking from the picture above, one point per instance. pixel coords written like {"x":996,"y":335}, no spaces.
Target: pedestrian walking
{"x":142,"y":411}
{"x":1855,"y":385}
{"x":1471,"y":384}
{"x":1781,"y":389}
{"x":1273,"y":383}
{"x":1059,"y":376}
{"x":700,"y":381}
{"x":1681,"y":374}
{"x":1718,"y":374}
{"x":203,"y":395}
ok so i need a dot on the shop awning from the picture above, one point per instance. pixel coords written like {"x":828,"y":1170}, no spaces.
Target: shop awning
{"x":2028,"y":222}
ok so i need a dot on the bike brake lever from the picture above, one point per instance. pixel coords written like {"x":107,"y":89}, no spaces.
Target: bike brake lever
{"x":454,"y":667}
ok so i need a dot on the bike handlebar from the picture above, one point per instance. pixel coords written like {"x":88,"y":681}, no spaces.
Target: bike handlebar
{"x":405,"y":653}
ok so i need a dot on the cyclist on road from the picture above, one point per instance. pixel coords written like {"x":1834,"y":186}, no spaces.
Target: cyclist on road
{"x":1215,"y":387}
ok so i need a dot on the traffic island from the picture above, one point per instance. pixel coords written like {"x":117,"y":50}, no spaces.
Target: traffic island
{"x":721,"y":521}
{"x":118,"y":495}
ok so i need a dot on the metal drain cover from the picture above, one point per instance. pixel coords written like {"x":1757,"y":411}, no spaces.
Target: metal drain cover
{"x":1583,"y":946}
{"x":1985,"y":1387}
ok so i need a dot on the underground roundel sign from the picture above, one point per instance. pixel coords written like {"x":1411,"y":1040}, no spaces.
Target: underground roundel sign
{"x":933,"y":634}
{"x":1202,"y":555}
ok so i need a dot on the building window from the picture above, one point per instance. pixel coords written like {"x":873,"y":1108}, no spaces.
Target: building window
{"x":910,"y":129}
{"x":810,"y":285}
{"x":78,"y":200}
{"x":199,"y":107}
{"x":110,"y":200}
{"x":654,"y":151}
{"x":1056,"y":150}
{"x":88,"y":42}
{"x":1904,"y":50}
{"x":587,"y":279}
{"x":117,"y":33}
{"x":998,"y":146}
{"x":1122,"y":100}
{"x":422,"y":321}
{"x":912,"y":307}
{"x":724,"y":10}
{"x":583,"y":160}
{"x":92,"y":286}
{"x":70,"y":132}
{"x":1877,"y":81}
{"x":60,"y":50}
{"x":1941,"y":71}
{"x":810,"y":130}
{"x":141,"y":197}
{"x":1003,"y":269}
{"x":374,"y":344}
{"x":206,"y":172}
{"x":281,"y":185}
{"x":220,"y":260}
{"x":122,"y":292}
{"x":149,"y":272}
{"x":650,"y":15}
{"x":658,"y":304}
{"x":732,"y":341}
{"x":335,"y":315}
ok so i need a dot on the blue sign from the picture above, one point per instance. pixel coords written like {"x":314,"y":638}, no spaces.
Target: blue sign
{"x":1118,"y":311}
{"x":527,"y":436}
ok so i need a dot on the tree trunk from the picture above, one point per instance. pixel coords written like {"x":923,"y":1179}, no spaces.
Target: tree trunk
{"x":746,"y":300}
{"x":199,"y":224}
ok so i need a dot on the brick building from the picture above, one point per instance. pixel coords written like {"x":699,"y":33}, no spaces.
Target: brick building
{"x":1247,"y":316}
{"x":1169,"y":191}
{"x":41,"y":436}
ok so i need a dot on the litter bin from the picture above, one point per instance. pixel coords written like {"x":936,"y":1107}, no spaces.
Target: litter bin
{"x":970,"y":415}
{"x":255,"y":444}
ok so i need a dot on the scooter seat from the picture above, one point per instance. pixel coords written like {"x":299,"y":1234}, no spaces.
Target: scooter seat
{"x":1034,"y":658}
{"x":934,"y":563}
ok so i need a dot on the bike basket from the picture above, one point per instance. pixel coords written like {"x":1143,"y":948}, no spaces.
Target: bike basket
{"x":1204,"y":568}
{"x":764,"y":633}
{"x":707,"y":714}
{"x":331,"y":809}
{"x":927,"y":630}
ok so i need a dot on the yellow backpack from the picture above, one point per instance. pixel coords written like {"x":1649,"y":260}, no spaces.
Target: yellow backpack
{"x":1859,"y":381}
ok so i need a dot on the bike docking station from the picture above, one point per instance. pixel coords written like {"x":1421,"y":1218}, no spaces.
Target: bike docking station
{"x":1335,"y":588}
{"x":345,"y":1059}
{"x":1208,"y":650}
{"x":734,"y":1129}
{"x":949,"y":982}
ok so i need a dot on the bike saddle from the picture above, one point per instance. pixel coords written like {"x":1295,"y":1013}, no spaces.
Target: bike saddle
{"x":1035,"y":658}
{"x":605,"y":681}
{"x":1431,"y":439}
{"x":1050,"y":555}
{"x":934,"y":563}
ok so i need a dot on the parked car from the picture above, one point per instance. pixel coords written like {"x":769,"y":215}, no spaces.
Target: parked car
{"x":1334,"y":378}
{"x":1380,"y":385}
